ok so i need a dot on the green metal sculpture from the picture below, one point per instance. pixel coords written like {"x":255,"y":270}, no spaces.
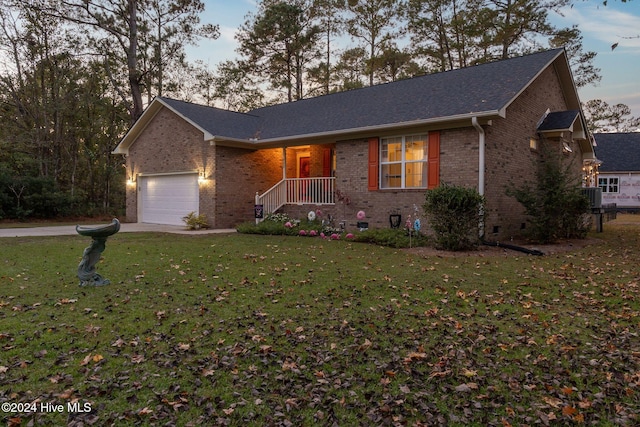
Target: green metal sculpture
{"x":91,"y":255}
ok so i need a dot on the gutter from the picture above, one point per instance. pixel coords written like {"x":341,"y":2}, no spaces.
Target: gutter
{"x":481,"y":160}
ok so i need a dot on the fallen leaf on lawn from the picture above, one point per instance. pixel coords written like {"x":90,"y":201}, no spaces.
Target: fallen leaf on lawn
{"x":365,"y":346}
{"x":440,"y":374}
{"x":264,"y":349}
{"x":584,"y":404}
{"x":414,"y":355}
{"x":466,"y":388}
{"x":289,"y":365}
{"x":137,"y":358}
{"x":86,"y":360}
{"x":145,"y":411}
{"x":432,"y":312}
{"x":552,"y":401}
{"x":469,"y":372}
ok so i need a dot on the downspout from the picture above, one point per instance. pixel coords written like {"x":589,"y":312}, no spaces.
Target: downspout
{"x":481,"y":165}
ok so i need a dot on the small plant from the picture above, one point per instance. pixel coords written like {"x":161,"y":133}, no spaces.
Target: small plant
{"x":454,"y":216}
{"x":278,"y":217}
{"x":195,"y":221}
{"x":390,"y":237}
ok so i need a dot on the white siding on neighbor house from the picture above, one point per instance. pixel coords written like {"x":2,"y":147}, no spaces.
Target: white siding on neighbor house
{"x":628,"y":195}
{"x":166,"y":199}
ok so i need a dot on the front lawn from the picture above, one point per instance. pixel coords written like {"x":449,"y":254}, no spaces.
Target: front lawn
{"x":282,"y":330}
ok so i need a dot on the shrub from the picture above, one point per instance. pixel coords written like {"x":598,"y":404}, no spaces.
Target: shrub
{"x":34,"y":197}
{"x":391,"y":237}
{"x":453,"y":213}
{"x":554,"y":202}
{"x":195,"y":221}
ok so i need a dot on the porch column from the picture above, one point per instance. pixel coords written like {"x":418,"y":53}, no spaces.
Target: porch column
{"x":284,"y":163}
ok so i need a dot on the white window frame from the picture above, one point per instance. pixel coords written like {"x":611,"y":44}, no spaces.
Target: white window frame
{"x":403,"y":162}
{"x":608,"y":184}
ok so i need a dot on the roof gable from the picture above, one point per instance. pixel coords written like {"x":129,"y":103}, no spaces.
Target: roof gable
{"x":619,"y":152}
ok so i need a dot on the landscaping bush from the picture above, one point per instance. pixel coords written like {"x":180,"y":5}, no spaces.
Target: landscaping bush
{"x":195,"y":221}
{"x":393,"y":238}
{"x":453,"y":213}
{"x":265,"y":227}
{"x":553,"y":201}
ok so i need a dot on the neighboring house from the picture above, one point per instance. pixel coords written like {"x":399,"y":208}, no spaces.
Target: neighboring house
{"x":376,"y":149}
{"x":619,"y":173}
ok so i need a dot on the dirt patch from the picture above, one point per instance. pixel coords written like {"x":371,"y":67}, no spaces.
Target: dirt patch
{"x":501,"y":251}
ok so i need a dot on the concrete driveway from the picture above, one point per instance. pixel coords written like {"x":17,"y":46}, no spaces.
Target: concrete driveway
{"x":64,"y":230}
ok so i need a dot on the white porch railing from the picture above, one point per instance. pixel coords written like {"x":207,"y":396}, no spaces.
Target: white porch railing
{"x":298,"y":191}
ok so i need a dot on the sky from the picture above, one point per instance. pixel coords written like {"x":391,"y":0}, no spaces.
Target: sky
{"x":601,"y":26}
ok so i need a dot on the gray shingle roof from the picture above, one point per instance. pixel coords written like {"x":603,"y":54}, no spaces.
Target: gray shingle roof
{"x":482,"y":89}
{"x":479,"y":89}
{"x":559,"y":120}
{"x":217,"y":121}
{"x":619,"y":152}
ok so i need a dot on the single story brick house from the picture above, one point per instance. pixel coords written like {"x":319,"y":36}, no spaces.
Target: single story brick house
{"x":376,"y":149}
{"x":619,"y":174}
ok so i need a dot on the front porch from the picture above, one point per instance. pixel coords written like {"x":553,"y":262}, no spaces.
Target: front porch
{"x":308,"y":178}
{"x":297,"y":191}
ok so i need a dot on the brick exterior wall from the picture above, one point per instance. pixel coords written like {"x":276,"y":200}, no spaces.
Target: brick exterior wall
{"x":169,"y":144}
{"x":239,"y":174}
{"x":509,"y":158}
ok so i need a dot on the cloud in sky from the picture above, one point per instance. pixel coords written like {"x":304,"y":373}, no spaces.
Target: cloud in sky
{"x":607,"y":25}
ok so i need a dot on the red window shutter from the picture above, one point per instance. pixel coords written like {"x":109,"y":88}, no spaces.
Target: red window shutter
{"x":433,"y":160}
{"x":326,"y":162}
{"x":374,"y":153}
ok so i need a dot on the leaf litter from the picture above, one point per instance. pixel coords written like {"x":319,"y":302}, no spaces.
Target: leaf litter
{"x":291,"y":333}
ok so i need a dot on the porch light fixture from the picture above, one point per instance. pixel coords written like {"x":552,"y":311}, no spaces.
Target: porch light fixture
{"x":131,"y":180}
{"x":203,"y":178}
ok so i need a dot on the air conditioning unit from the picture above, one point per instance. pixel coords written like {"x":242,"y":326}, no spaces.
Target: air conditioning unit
{"x":595,"y":196}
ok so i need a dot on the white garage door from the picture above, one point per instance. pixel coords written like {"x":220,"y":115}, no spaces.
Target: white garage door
{"x":165,"y":199}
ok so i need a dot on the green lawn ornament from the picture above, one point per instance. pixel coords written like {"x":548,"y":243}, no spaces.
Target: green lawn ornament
{"x":91,"y":255}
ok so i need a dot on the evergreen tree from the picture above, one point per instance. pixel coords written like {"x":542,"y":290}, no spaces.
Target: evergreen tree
{"x":374,"y":23}
{"x":280,"y":42}
{"x":602,"y":117}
